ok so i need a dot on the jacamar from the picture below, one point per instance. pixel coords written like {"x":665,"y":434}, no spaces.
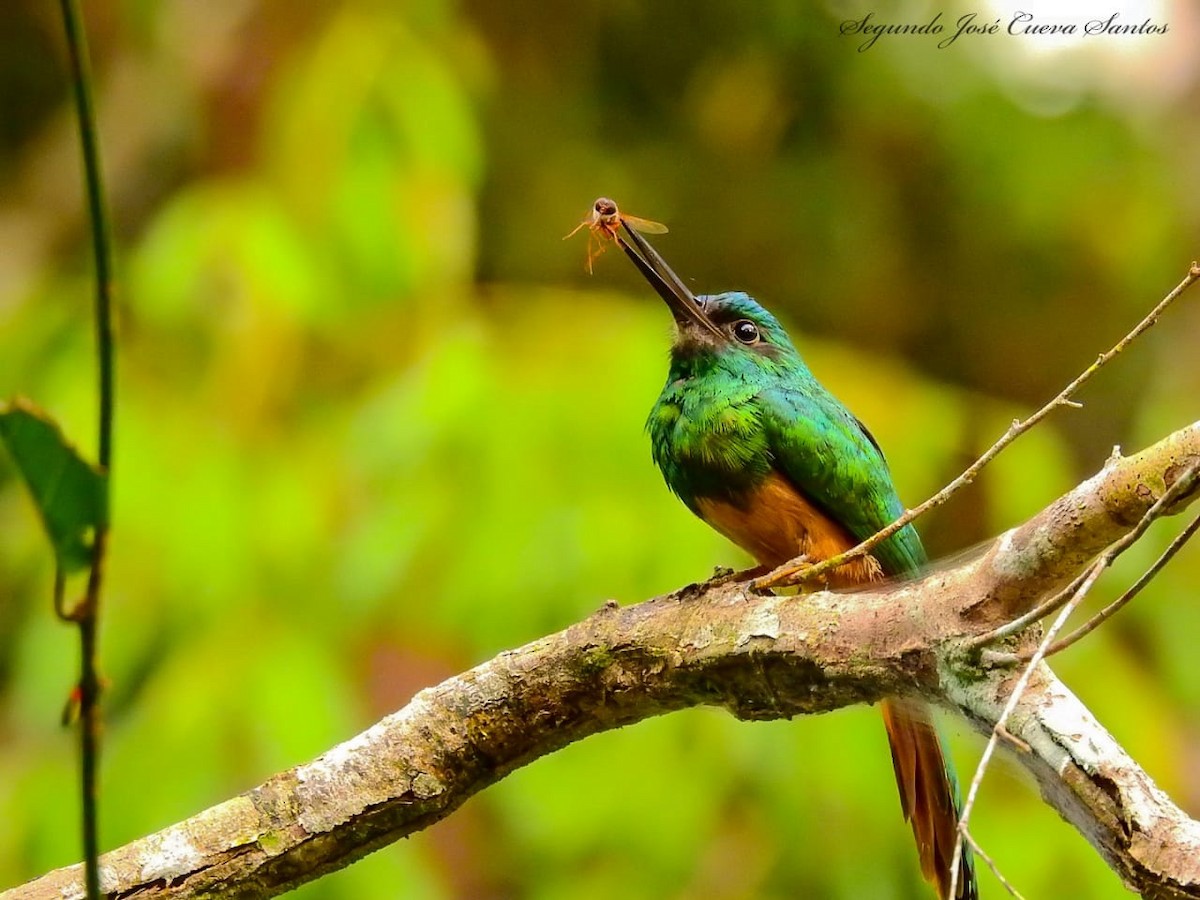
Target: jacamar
{"x":755,"y":446}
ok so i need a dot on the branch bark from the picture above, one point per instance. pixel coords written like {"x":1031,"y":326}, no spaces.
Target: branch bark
{"x":760,"y":657}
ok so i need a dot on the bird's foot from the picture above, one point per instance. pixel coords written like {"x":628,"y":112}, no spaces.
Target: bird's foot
{"x":721,"y":575}
{"x":724,"y":575}
{"x":764,"y":585}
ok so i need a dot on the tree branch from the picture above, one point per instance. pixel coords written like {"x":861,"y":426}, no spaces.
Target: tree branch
{"x":1094,"y":784}
{"x":760,"y":657}
{"x":1078,"y":590}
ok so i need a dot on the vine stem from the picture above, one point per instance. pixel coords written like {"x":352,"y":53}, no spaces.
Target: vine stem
{"x":86,"y":614}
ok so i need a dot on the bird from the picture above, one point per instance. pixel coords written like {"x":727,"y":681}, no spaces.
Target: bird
{"x":762,"y":452}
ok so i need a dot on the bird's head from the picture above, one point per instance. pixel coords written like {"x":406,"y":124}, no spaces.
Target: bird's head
{"x":731,"y":326}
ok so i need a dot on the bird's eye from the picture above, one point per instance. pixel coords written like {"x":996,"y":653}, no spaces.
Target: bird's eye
{"x":745,"y":331}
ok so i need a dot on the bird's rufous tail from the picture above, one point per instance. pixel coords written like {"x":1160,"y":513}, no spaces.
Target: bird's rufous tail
{"x":928,"y":794}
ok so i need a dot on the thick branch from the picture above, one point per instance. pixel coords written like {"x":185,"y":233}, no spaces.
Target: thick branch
{"x":761,"y":657}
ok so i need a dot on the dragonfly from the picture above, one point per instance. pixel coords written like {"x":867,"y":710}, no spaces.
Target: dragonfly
{"x":603,"y":222}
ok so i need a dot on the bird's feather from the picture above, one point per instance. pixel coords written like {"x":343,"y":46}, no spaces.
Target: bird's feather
{"x":756,"y":447}
{"x":830,"y":457}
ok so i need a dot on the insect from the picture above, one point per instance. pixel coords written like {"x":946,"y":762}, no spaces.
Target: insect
{"x":602,"y":224}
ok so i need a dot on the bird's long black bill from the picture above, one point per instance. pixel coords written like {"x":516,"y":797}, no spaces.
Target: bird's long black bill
{"x":663,"y":279}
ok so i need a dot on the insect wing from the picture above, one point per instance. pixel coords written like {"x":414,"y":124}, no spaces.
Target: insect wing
{"x":645,"y":226}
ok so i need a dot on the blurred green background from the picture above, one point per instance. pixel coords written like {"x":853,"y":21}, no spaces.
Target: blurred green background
{"x":377,"y":424}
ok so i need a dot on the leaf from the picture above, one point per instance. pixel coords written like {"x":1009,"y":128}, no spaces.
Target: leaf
{"x":70,"y":493}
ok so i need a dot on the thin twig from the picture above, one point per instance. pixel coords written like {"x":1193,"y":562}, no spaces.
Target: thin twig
{"x":970,"y":839}
{"x":1017,"y":742}
{"x":1036,"y":614}
{"x":1136,"y":588}
{"x":88,"y":615}
{"x":794,"y":572}
{"x":965,"y":817}
{"x":1181,"y":486}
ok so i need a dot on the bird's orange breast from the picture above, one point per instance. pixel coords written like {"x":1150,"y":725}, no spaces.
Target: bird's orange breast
{"x":776,"y":523}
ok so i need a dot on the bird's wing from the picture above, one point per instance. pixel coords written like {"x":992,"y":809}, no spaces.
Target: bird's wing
{"x":828,"y":455}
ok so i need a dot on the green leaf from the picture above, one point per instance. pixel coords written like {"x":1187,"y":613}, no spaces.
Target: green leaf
{"x":70,"y":493}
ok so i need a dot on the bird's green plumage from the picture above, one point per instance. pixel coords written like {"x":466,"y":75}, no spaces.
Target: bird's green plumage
{"x":730,"y":415}
{"x":741,"y":422}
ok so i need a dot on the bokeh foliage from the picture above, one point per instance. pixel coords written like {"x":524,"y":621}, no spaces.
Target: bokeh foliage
{"x":376,"y":424}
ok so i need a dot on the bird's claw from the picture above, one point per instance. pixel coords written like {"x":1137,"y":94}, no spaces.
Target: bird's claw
{"x":786,"y":576}
{"x":721,"y":575}
{"x":724,"y":575}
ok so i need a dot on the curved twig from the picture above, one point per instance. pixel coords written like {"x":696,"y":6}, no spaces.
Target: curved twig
{"x":1109,"y":611}
{"x":1001,"y":725}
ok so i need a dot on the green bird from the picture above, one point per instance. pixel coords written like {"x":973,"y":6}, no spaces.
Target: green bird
{"x":755,"y":446}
